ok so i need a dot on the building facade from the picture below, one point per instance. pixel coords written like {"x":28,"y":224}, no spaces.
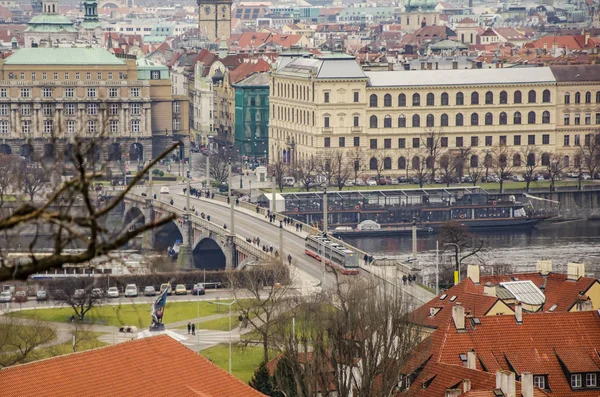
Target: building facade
{"x":252,"y":115}
{"x":329,"y":103}
{"x":49,"y":97}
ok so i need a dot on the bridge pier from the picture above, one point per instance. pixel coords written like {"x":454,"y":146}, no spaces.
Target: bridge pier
{"x":185,"y":258}
{"x":148,"y":238}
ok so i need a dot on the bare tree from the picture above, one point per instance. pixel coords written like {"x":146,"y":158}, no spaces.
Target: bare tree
{"x":30,"y":179}
{"x":358,"y":166}
{"x":83,"y":227}
{"x":456,"y":236}
{"x":342,"y":169}
{"x":7,"y":175}
{"x":432,"y":143}
{"x":501,"y":164}
{"x":19,"y":338}
{"x":356,"y":347}
{"x":80,"y":294}
{"x":280,"y":169}
{"x":554,"y":167}
{"x":326,"y":166}
{"x":531,"y":156}
{"x":263,"y":290}
{"x":419,"y":166}
{"x":447,"y":169}
{"x":579,"y":166}
{"x":305,"y":172}
{"x":219,"y":166}
{"x":477,"y":171}
{"x":377,"y":159}
{"x":590,"y":152}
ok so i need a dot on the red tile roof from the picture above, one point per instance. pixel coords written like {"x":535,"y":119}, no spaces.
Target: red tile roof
{"x":247,"y":68}
{"x":156,"y":366}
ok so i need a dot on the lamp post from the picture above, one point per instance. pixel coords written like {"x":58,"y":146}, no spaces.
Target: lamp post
{"x":207,"y":170}
{"x":198,"y":328}
{"x":281,"y":243}
{"x":457,"y":271}
{"x":227,"y":304}
{"x":250,"y":187}
{"x":325,"y":210}
{"x":273,"y":194}
{"x":231,"y":203}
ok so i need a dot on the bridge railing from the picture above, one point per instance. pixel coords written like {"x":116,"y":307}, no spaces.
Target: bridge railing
{"x":253,"y":250}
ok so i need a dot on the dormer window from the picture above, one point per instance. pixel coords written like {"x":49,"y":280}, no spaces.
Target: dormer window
{"x":591,"y":380}
{"x":575,"y":380}
{"x":539,"y":381}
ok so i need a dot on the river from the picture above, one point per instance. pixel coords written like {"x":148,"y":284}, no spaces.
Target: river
{"x":571,"y":241}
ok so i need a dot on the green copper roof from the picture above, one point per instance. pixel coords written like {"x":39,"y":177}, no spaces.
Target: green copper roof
{"x":62,"y":56}
{"x":50,"y":19}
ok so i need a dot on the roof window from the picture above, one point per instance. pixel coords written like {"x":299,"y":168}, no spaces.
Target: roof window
{"x":443,"y":297}
{"x":453,"y":298}
{"x":553,"y":307}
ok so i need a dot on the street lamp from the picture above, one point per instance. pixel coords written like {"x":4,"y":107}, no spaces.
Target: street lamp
{"x":457,"y":271}
{"x":198,"y":330}
{"x":227,"y":304}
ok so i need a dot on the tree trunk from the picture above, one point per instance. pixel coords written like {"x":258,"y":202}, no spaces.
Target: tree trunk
{"x":266,"y":348}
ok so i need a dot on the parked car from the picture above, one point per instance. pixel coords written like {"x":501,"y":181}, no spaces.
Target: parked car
{"x":113,"y":292}
{"x":360,"y":182}
{"x":41,"y":295}
{"x":5,"y":297}
{"x":131,"y":291}
{"x":198,"y":289}
{"x":518,"y":178}
{"x":382,"y":181}
{"x":164,"y":286}
{"x":349,"y":183}
{"x":585,"y":176}
{"x":402,"y":179}
{"x":149,"y":291}
{"x":371,"y":182}
{"x":21,"y":297}
{"x":180,"y":290}
{"x":97,"y":293}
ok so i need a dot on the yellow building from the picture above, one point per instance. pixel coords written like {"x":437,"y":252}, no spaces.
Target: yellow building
{"x":329,"y":103}
{"x":50,"y":96}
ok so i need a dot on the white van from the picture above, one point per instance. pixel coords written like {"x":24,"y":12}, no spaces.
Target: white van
{"x":164,"y":190}
{"x":131,"y":291}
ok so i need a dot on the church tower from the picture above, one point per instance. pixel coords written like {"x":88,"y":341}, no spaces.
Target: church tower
{"x":214,"y":19}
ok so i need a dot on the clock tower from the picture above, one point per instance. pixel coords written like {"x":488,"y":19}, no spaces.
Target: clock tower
{"x":214,"y":19}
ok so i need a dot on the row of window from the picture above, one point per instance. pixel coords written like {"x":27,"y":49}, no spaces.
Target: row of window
{"x":70,"y":109}
{"x":428,"y":142}
{"x":488,"y":99}
{"x":577,"y":119}
{"x":577,"y":97}
{"x":292,"y":91}
{"x":473,"y":161}
{"x":294,"y":115}
{"x":69,"y":92}
{"x":591,"y":380}
{"x":48,"y":126}
{"x":66,"y":75}
{"x":488,"y":119}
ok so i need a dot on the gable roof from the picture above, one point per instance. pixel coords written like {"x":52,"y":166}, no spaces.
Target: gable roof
{"x":247,"y":68}
{"x":155,"y":366}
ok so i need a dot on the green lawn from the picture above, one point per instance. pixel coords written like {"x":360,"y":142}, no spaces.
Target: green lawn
{"x":137,"y":315}
{"x":220,"y":324}
{"x":487,"y":186}
{"x":244,"y":360}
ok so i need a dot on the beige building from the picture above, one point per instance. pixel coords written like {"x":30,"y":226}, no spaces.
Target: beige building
{"x":329,"y":103}
{"x":51,"y":96}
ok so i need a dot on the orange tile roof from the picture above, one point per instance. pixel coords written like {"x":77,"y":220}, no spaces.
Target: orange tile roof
{"x":156,"y":366}
{"x":247,"y":68}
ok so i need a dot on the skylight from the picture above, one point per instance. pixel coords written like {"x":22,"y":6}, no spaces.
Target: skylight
{"x":453,"y":298}
{"x":553,"y":307}
{"x":443,"y":297}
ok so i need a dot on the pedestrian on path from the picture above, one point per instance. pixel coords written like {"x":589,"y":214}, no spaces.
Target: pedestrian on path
{"x":189,"y":327}
{"x":290,"y":260}
{"x":404,"y":279}
{"x":194,"y":329}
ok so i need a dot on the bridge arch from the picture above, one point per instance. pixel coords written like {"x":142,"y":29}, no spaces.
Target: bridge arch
{"x":133,"y":216}
{"x":208,"y":255}
{"x":167,"y":235}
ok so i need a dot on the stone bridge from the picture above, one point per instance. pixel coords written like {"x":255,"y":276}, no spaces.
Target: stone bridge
{"x":204,"y":244}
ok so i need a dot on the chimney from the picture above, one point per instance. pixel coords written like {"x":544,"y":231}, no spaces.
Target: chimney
{"x":466,"y":385}
{"x":527,"y":384}
{"x":505,"y":381}
{"x":429,"y":65}
{"x":390,"y":66}
{"x":473,"y":273}
{"x":453,"y":392}
{"x":519,"y":313}
{"x":436,"y":65}
{"x":587,"y":38}
{"x":458,"y":315}
{"x":473,"y":65}
{"x":454,"y":64}
{"x":471,"y":360}
{"x":422,"y":65}
{"x":489,"y":289}
{"x":543,"y":267}
{"x":575,"y":270}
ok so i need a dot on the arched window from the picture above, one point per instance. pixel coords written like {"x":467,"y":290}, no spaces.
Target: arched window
{"x":531,"y":159}
{"x":430,"y":120}
{"x":566,"y":162}
{"x":401,"y":121}
{"x":387,"y":163}
{"x":460,"y":99}
{"x":401,"y":163}
{"x":429,"y":162}
{"x":577,"y":162}
{"x":373,"y":122}
{"x":577,"y":97}
{"x":474,"y":119}
{"x":588,"y":97}
{"x":531,"y":96}
{"x":567,"y":97}
{"x":373,"y":101}
{"x":401,"y":100}
{"x":598,"y":97}
{"x":502,"y":160}
{"x":387,"y":121}
{"x":546,"y":159}
{"x":430,"y":99}
{"x":517,"y":97}
{"x":517,"y":118}
{"x":416,"y":100}
{"x":531,"y":118}
{"x":503,"y":119}
{"x":488,"y":160}
{"x":546,"y":96}
{"x":416,"y":163}
{"x":373,"y":164}
{"x":546,"y":117}
{"x":474,"y":161}
{"x":503,"y":98}
{"x":459,"y":120}
{"x":445,"y":101}
{"x":489,"y":98}
{"x":516,"y":160}
{"x":474,"y":98}
{"x":444,"y":120}
{"x":444,"y":161}
{"x":387,"y":100}
{"x":416,"y":120}
{"x":489,"y":119}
